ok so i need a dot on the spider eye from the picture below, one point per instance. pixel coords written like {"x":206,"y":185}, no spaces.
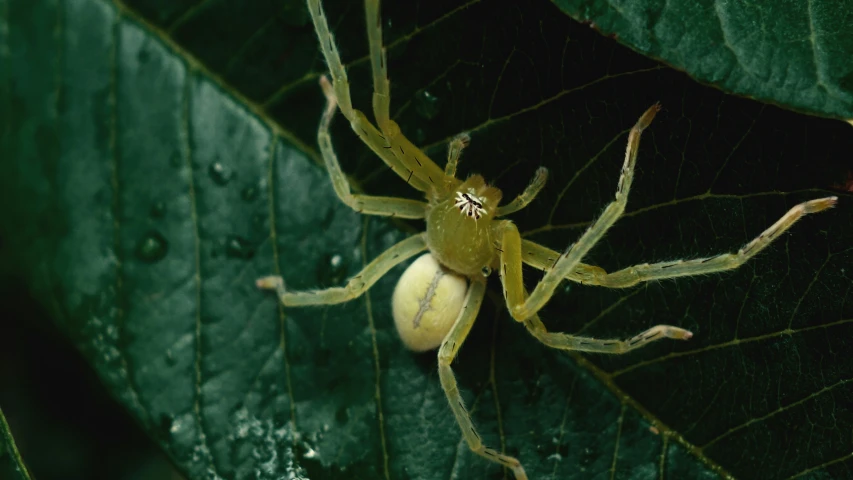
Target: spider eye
{"x":486,"y":271}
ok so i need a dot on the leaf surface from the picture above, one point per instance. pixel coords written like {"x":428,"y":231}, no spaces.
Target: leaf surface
{"x":11,"y":464}
{"x":150,"y":186}
{"x":788,"y":53}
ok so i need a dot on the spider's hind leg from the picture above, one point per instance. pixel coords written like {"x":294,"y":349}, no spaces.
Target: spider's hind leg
{"x":356,"y":286}
{"x":449,"y":347}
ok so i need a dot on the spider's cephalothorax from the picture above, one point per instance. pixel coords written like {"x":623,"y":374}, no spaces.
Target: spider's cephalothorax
{"x":460,"y":228}
{"x":437,"y":299}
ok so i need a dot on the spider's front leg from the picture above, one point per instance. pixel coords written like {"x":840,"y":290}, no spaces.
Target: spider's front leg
{"x":408,"y":167}
{"x":523,"y":309}
{"x":449,"y":347}
{"x":395,"y":141}
{"x":384,"y":206}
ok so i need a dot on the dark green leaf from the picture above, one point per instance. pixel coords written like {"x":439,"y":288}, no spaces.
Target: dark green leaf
{"x":11,"y":464}
{"x":150,"y":186}
{"x":795,"y":54}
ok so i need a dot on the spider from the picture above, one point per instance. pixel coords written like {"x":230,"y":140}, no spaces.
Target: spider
{"x":439,"y":295}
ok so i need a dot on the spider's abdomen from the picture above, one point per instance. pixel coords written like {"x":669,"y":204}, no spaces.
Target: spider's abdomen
{"x":426,"y":302}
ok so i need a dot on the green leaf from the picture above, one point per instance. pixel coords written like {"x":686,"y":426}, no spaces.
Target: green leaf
{"x":795,"y":54}
{"x":152,"y":174}
{"x":11,"y":464}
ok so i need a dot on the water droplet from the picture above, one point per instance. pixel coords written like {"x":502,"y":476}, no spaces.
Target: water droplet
{"x":220,"y":173}
{"x":333,"y":271}
{"x":152,"y":247}
{"x":249,"y":193}
{"x":158,"y":210}
{"x":309,"y":452}
{"x":426,"y":104}
{"x":238,"y":247}
{"x":588,"y":455}
{"x":176,"y":426}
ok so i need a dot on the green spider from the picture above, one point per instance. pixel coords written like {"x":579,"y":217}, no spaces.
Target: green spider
{"x":439,"y":295}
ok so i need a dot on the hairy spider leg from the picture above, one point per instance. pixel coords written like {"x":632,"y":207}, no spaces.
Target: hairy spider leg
{"x":527,"y":195}
{"x":356,"y":286}
{"x":395,"y":141}
{"x":630,"y":276}
{"x":454,"y":152}
{"x":449,"y":347}
{"x":406,"y":167}
{"x":515,"y":293}
{"x":523,"y":309}
{"x":543,"y":258}
{"x":385,"y":206}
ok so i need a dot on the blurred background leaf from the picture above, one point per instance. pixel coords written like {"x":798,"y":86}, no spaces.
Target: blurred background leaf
{"x":160,"y":157}
{"x":11,"y":464}
{"x":793,"y":54}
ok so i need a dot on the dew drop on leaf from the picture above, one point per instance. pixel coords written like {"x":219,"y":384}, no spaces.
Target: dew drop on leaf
{"x":220,"y":174}
{"x":152,"y":247}
{"x":426,"y":104}
{"x":238,"y":247}
{"x":333,"y":271}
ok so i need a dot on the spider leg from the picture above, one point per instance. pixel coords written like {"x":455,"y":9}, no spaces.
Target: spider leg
{"x":527,"y":195}
{"x":568,"y":262}
{"x":543,"y":258}
{"x":449,"y":347}
{"x":387,"y":206}
{"x":564,"y":341}
{"x":630,"y":276}
{"x":356,"y":286}
{"x":515,"y":293}
{"x":454,"y":151}
{"x":406,"y":167}
{"x":395,"y":141}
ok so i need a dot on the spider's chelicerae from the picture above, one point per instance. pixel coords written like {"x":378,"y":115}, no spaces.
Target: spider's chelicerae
{"x":437,"y":299}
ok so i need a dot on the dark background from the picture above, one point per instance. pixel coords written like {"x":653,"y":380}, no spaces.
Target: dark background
{"x":65,"y":424}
